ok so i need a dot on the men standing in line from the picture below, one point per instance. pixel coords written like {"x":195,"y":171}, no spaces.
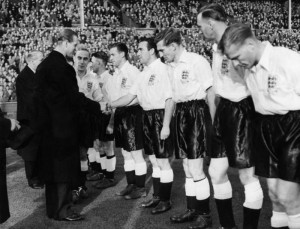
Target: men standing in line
{"x":128,"y":130}
{"x":272,"y":76}
{"x":60,"y":103}
{"x":232,"y":127}
{"x":191,"y":80}
{"x":104,"y":156}
{"x":26,"y":84}
{"x":154,"y":93}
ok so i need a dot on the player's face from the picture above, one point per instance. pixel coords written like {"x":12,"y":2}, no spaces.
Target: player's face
{"x":116,"y":56}
{"x":241,"y":55}
{"x":143,"y":52}
{"x":205,"y":27}
{"x":167,"y":52}
{"x":71,"y":46}
{"x":82,"y":59}
{"x":97,"y":64}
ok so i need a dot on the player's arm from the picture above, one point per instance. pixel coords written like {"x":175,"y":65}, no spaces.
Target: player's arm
{"x":169,"y":110}
{"x":123,"y":101}
{"x":212,"y":101}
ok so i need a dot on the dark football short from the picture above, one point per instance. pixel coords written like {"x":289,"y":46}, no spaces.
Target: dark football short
{"x":277,"y":146}
{"x":152,"y":125}
{"x":103,"y":123}
{"x":232,"y":132}
{"x":128,"y":128}
{"x":192,"y":130}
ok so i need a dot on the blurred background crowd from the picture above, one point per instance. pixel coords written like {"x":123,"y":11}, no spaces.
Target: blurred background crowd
{"x":27,"y":25}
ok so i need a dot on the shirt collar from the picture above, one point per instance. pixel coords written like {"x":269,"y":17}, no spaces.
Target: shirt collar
{"x":153,"y":64}
{"x":183,"y":57}
{"x":123,"y":68}
{"x":264,"y":61}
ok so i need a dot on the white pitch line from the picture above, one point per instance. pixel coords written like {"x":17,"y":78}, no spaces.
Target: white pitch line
{"x":135,"y":213}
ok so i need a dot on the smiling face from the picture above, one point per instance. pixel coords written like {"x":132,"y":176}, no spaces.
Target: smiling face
{"x":82,"y":59}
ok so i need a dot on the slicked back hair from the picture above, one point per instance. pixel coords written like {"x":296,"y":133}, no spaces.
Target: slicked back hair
{"x":235,"y":34}
{"x":65,"y":35}
{"x":101,"y":55}
{"x":150,"y":44}
{"x":169,"y":36}
{"x":82,"y":47}
{"x":214,"y":11}
{"x":33,"y":55}
{"x":121,"y":47}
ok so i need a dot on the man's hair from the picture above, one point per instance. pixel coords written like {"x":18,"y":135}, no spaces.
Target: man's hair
{"x":101,"y":55}
{"x":82,"y":47}
{"x":33,"y":55}
{"x":65,"y":35}
{"x":235,"y":34}
{"x":121,"y":47}
{"x":150,"y":44}
{"x":214,"y":11}
{"x":169,"y":36}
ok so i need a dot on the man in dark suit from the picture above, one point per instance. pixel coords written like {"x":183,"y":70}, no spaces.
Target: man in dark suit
{"x":26,"y":84}
{"x":58,"y":115}
{"x":6,"y":126}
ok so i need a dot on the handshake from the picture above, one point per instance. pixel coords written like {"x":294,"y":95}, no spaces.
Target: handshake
{"x":106,"y":107}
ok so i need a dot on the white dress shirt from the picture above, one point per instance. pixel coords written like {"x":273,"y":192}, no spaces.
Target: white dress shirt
{"x":153,"y":87}
{"x":191,"y":77}
{"x":274,"y":82}
{"x":229,"y":81}
{"x":87,"y":84}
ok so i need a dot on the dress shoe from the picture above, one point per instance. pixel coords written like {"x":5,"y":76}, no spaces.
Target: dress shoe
{"x":162,"y":206}
{"x":73,"y":217}
{"x":36,"y":186}
{"x":188,"y":216}
{"x":82,"y":191}
{"x":75,"y":196}
{"x":128,"y":189}
{"x":106,"y":183}
{"x":95,"y":176}
{"x":202,"y":222}
{"x":151,"y":203}
{"x":136,"y":193}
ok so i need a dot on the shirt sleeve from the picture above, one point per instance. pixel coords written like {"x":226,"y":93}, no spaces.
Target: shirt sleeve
{"x":204,"y":72}
{"x":292,"y":69}
{"x":136,"y":85}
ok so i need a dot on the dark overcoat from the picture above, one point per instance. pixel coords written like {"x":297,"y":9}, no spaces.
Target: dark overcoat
{"x":5,"y":126}
{"x":26,"y":84}
{"x":59,"y":106}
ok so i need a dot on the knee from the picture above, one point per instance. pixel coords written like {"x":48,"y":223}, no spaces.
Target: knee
{"x":273,"y":196}
{"x":247,"y":176}
{"x":288,"y":201}
{"x":218,"y":175}
{"x":164,"y":164}
{"x":197,"y":173}
{"x":127,"y":155}
{"x":138,"y":156}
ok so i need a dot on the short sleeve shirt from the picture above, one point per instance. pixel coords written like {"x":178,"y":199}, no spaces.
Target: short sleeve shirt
{"x":229,"y":81}
{"x":191,"y":77}
{"x":153,"y":87}
{"x":121,"y":81}
{"x":102,"y":84}
{"x":87,"y":84}
{"x":274,"y":82}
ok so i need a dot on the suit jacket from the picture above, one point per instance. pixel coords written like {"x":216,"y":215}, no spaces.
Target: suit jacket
{"x":26,"y":84}
{"x":4,"y":132}
{"x":59,"y":106}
